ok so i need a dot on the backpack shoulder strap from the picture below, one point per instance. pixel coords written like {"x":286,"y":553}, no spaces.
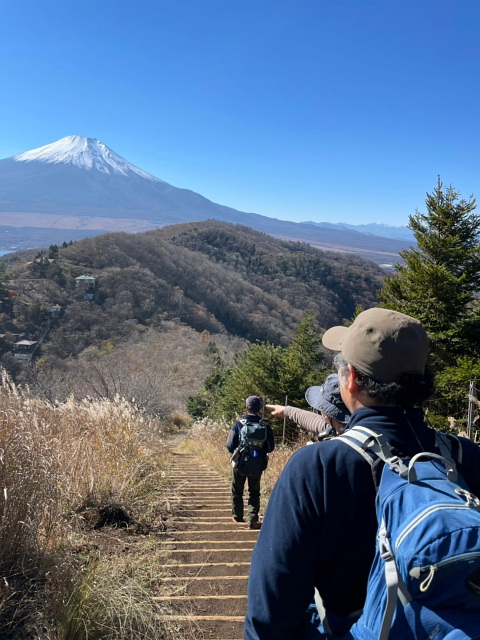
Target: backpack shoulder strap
{"x":444,"y":443}
{"x":356,"y":440}
{"x":241,"y":433}
{"x":371,"y":445}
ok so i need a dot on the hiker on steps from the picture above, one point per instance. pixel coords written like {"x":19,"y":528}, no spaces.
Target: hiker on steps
{"x":250,"y":441}
{"x":333,"y":417}
{"x":320,"y":526}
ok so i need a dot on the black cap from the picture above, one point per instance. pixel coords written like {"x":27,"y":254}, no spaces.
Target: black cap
{"x":253,"y":403}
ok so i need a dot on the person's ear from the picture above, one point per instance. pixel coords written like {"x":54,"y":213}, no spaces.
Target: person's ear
{"x":352,"y":384}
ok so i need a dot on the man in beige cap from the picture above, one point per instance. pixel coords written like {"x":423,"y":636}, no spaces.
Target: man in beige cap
{"x":320,"y":526}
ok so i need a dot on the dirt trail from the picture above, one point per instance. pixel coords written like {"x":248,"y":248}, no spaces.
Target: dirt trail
{"x":207,"y":557}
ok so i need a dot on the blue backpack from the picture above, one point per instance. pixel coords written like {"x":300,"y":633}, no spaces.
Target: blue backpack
{"x":424,"y":582}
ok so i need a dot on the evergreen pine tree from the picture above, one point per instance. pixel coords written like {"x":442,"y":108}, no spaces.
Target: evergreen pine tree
{"x":439,"y":282}
{"x":255,"y":372}
{"x":303,"y":363}
{"x":274,"y":372}
{"x":203,"y":404}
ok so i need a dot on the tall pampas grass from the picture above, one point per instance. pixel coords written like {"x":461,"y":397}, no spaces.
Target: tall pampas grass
{"x":56,"y":461}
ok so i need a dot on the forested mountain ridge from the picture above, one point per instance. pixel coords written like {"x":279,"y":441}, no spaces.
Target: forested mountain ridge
{"x":210,"y":278}
{"x":327,"y":284}
{"x":253,"y":285}
{"x":209,"y":275}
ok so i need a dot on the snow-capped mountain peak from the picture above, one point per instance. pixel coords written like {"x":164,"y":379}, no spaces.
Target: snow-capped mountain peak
{"x":86,"y":153}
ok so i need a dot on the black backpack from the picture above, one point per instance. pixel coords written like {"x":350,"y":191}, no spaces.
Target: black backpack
{"x":251,"y":460}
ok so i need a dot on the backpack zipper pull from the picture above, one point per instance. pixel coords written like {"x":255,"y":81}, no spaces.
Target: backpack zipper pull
{"x":425,"y":584}
{"x":472,"y":501}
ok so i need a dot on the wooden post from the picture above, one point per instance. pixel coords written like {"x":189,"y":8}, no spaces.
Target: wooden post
{"x":284,"y":421}
{"x":472,"y":396}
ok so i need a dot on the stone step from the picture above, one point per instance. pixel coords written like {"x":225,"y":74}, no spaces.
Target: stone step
{"x":215,"y":481}
{"x":219,"y":498}
{"x":208,"y":510}
{"x":203,"y":585}
{"x":194,"y":493}
{"x":220,"y":505}
{"x":205,"y":493}
{"x":207,"y":605}
{"x":207,"y":569}
{"x":207,"y":549}
{"x":206,"y":478}
{"x":206,"y":543}
{"x":203,"y":476}
{"x":186,"y":525}
{"x":211,"y":627}
{"x":183,"y":556}
{"x":199,"y":518}
{"x":213,"y":534}
{"x":206,"y":501}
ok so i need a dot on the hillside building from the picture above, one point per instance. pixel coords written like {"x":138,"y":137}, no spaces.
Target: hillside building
{"x":85,"y":285}
{"x":53,"y":310}
{"x":24,"y":349}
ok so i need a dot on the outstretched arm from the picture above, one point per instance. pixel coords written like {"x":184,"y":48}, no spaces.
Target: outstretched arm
{"x":312,"y":422}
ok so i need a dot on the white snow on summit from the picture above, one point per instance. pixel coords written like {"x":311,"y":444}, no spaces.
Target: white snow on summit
{"x":86,"y":153}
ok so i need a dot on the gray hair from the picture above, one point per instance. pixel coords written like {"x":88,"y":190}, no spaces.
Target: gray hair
{"x":341,"y":365}
{"x":409,"y":390}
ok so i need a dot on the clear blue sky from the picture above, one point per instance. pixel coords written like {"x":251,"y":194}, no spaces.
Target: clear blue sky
{"x":325,"y":110}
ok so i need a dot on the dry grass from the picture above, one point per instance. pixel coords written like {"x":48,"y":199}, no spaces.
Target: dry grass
{"x":207,"y":440}
{"x":57,"y":464}
{"x":106,"y":599}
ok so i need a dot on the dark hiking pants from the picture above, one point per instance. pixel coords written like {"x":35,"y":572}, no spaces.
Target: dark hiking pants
{"x":238,"y":484}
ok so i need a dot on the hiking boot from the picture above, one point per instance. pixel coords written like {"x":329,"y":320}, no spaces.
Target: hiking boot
{"x":255,"y":524}
{"x":237,"y":520}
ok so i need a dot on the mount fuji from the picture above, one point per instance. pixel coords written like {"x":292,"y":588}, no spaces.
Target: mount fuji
{"x":86,"y":153}
{"x":78,"y":187}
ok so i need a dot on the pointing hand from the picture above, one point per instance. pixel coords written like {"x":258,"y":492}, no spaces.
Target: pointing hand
{"x":278,"y":410}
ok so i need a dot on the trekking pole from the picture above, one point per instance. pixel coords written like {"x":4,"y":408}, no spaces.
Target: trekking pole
{"x":284,"y":421}
{"x":472,"y":396}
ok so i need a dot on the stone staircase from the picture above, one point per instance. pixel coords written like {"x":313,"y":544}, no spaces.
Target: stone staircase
{"x":204,"y":583}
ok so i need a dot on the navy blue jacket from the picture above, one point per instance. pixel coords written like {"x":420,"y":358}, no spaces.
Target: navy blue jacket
{"x":233,"y":439}
{"x":320,"y":526}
